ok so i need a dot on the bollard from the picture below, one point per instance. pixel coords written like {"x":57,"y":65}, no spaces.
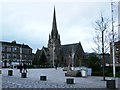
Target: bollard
{"x":70,"y":81}
{"x":10,"y":72}
{"x":23,"y":75}
{"x":43,"y":78}
{"x":110,"y":84}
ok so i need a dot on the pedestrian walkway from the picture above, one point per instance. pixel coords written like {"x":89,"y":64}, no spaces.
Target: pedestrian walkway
{"x":0,"y":81}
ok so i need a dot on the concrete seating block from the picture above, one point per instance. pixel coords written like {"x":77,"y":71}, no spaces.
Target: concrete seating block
{"x":110,"y":84}
{"x":0,"y":71}
{"x":70,"y":81}
{"x":23,"y":75}
{"x":65,"y":69}
{"x":43,"y":78}
{"x":10,"y":72}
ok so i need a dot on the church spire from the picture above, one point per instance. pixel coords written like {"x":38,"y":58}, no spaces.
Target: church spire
{"x":54,"y":32}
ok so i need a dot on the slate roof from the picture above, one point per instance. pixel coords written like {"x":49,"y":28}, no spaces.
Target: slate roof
{"x":15,"y":44}
{"x":69,"y":48}
{"x":46,"y":49}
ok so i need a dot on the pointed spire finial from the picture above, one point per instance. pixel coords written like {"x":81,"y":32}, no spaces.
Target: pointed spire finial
{"x":54,"y":25}
{"x":54,"y":20}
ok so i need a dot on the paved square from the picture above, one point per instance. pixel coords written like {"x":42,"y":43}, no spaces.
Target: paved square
{"x":55,"y":79}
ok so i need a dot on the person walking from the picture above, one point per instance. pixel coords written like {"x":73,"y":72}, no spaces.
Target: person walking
{"x":21,"y":67}
{"x":25,"y":67}
{"x":56,"y":66}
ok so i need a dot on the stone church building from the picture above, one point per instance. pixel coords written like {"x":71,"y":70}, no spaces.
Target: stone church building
{"x":62,"y":55}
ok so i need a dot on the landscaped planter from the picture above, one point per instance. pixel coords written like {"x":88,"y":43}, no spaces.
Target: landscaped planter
{"x":73,"y":73}
{"x":65,"y":69}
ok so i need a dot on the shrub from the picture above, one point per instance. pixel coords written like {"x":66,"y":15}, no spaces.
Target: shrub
{"x":96,"y":73}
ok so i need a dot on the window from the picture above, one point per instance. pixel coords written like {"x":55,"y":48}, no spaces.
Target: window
{"x":117,"y":50}
{"x":21,"y":50}
{"x":3,"y":48}
{"x":14,"y":49}
{"x":8,"y":49}
{"x":3,"y":55}
{"x":30,"y":57}
{"x":14,"y":56}
{"x":25,"y":56}
{"x":29,"y":51}
{"x":8,"y":56}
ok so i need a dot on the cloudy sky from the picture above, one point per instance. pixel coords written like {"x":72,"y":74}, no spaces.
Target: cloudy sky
{"x":30,"y":21}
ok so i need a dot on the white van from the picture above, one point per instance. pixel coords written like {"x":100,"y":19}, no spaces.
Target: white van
{"x":14,"y":64}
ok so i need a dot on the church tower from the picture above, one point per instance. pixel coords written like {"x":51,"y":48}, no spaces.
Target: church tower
{"x":54,"y":43}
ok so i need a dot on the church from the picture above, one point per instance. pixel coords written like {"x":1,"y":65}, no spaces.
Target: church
{"x":57,"y":54}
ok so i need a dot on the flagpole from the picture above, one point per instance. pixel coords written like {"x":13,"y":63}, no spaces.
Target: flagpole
{"x":113,"y":43}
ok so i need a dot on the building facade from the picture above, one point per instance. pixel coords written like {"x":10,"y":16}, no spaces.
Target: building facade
{"x":119,"y":21}
{"x":13,"y":52}
{"x":62,"y":55}
{"x":117,"y":53}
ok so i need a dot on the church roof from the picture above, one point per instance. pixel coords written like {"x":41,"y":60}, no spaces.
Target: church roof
{"x":69,"y":48}
{"x":46,"y":49}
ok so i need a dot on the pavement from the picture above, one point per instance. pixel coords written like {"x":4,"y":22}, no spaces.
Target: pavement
{"x":55,"y":79}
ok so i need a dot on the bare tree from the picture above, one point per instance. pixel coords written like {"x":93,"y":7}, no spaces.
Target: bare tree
{"x":102,"y":39}
{"x":102,"y":27}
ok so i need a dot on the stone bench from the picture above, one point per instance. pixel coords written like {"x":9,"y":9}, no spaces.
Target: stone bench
{"x":10,"y":72}
{"x":73,"y":73}
{"x":70,"y":81}
{"x":23,"y":75}
{"x":43,"y":78}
